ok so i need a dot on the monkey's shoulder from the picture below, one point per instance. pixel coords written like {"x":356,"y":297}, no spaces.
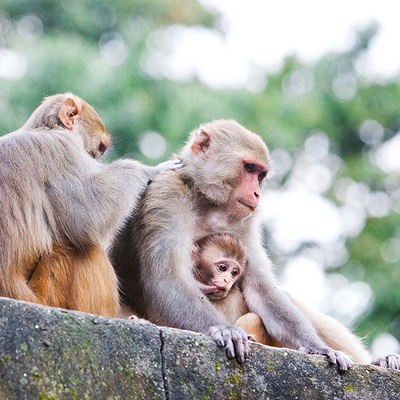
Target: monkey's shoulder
{"x":28,"y":140}
{"x":54,"y":156}
{"x":168,"y":185}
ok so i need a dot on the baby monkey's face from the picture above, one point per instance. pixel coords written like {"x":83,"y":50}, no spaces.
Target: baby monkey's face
{"x":218,"y":272}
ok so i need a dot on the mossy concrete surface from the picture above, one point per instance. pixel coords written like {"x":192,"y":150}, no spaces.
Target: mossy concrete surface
{"x":48,"y":353}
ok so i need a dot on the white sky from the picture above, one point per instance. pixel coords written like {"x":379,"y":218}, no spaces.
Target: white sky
{"x":256,"y":35}
{"x":266,"y":31}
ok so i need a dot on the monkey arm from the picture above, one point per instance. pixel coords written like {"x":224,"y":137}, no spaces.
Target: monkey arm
{"x":163,"y":230}
{"x":116,"y":201}
{"x":94,"y":199}
{"x":165,"y":243}
{"x":283,"y":320}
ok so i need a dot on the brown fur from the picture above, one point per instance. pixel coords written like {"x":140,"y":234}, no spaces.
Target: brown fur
{"x":77,"y":281}
{"x":232,"y":306}
{"x":226,"y":245}
{"x":61,"y":207}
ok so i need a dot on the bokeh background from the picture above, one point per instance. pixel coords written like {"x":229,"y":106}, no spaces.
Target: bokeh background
{"x":319,"y":81}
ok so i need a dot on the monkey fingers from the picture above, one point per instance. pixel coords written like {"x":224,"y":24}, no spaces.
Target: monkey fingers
{"x":339,"y":358}
{"x":391,"y":361}
{"x":251,"y":338}
{"x":168,"y":165}
{"x":234,"y":339}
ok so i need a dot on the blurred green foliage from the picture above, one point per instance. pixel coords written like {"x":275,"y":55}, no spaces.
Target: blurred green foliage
{"x":63,"y":53}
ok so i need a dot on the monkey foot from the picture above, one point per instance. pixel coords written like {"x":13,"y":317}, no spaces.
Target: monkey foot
{"x":391,"y":361}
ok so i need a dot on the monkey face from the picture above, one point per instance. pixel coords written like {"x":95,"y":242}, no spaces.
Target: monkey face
{"x":218,"y":266}
{"x":222,"y":274}
{"x":244,"y":198}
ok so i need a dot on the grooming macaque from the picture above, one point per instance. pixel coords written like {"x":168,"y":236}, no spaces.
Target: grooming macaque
{"x":60,"y":207}
{"x":220,"y":263}
{"x":217,"y":191}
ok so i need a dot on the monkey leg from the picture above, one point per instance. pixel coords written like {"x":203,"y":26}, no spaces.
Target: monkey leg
{"x":77,"y":281}
{"x":330,"y":331}
{"x":52,"y":278}
{"x":16,"y":288}
{"x":253,"y":325}
{"x":95,"y":285}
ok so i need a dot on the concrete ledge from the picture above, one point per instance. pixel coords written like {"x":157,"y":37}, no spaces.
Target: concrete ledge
{"x":48,"y":353}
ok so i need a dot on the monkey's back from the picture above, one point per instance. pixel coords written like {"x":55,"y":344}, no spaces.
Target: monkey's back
{"x":30,"y":188}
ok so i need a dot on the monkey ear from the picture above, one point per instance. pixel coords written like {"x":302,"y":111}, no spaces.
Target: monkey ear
{"x":201,"y":142}
{"x":69,"y":112}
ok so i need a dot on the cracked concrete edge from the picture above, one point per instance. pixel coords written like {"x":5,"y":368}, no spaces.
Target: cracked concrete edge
{"x":163,"y":371}
{"x":48,"y":353}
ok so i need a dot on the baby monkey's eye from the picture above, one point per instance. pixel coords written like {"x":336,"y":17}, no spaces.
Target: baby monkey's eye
{"x":222,"y":267}
{"x":235,"y":272}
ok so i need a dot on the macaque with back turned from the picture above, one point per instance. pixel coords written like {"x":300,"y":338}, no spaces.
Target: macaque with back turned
{"x":61,"y":207}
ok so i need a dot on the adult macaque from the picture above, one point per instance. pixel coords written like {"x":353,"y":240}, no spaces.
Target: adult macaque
{"x":220,"y":265}
{"x":217,"y":191}
{"x":60,"y":207}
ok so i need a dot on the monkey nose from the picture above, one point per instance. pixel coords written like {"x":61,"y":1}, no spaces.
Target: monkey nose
{"x":222,"y":286}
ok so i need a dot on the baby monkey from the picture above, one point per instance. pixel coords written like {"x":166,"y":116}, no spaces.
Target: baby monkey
{"x":220,"y":267}
{"x":220,"y":263}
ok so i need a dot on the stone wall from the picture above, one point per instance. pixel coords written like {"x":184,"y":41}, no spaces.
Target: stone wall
{"x":50,"y":353}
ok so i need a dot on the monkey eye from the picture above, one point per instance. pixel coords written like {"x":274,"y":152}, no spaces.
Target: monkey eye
{"x":235,"y":272}
{"x":102,"y":148}
{"x":250,"y":168}
{"x":221,"y":267}
{"x":262,"y":176}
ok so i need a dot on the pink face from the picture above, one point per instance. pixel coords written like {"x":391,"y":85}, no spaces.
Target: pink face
{"x":225,"y":273}
{"x":244,"y":199}
{"x":219,"y":273}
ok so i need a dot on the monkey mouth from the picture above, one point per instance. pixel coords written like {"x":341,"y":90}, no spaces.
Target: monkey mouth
{"x":218,"y":294}
{"x":251,"y":208}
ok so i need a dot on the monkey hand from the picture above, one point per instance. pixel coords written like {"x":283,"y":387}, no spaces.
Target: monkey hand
{"x":168,"y":165}
{"x":164,"y":166}
{"x":342,"y":360}
{"x":252,"y":338}
{"x":234,"y":339}
{"x":391,"y":361}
